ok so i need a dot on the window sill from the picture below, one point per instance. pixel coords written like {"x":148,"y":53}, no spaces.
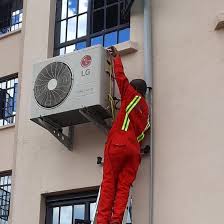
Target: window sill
{"x":7,"y":126}
{"x":10,"y":33}
{"x":127,"y":47}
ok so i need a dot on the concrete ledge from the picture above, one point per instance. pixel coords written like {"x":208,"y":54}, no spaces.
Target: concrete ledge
{"x":7,"y":126}
{"x":127,"y":47}
{"x":10,"y":33}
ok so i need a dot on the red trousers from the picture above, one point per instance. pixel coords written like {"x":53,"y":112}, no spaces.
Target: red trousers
{"x":121,"y":162}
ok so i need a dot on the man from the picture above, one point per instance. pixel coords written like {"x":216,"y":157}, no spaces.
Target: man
{"x":122,"y":149}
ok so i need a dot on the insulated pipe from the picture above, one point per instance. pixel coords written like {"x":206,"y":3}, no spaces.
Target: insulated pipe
{"x":148,"y":79}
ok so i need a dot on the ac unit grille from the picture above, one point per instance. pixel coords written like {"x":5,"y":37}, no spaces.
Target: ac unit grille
{"x":53,"y":84}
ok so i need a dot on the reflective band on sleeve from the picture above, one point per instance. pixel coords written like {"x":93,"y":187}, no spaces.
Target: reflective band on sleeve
{"x":129,"y":108}
{"x":141,"y":137}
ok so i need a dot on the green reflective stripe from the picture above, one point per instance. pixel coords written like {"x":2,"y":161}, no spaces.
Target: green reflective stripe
{"x":141,"y":137}
{"x":129,"y":105}
{"x":129,"y":108}
{"x":133,"y":104}
{"x":125,"y":122}
{"x":128,"y":122}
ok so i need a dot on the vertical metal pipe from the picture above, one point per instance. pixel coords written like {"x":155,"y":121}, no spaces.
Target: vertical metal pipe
{"x":148,"y":78}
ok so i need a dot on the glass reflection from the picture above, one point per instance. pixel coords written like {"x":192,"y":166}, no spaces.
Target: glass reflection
{"x":66,"y":215}
{"x":70,"y":48}
{"x":62,"y":51}
{"x":97,"y":40}
{"x":63,"y":31}
{"x":92,"y":211}
{"x":80,"y":45}
{"x":71,"y":32}
{"x":72,"y":7}
{"x":64,"y":9}
{"x":55,"y":215}
{"x":110,"y":39}
{"x":79,"y":211}
{"x":124,"y":35}
{"x":82,"y":25}
{"x":83,"y":6}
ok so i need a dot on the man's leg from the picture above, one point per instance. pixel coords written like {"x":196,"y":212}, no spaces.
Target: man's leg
{"x":107,"y":193}
{"x":125,"y":180}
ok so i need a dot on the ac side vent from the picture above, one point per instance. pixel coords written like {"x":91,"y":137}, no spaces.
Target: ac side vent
{"x":53,"y":84}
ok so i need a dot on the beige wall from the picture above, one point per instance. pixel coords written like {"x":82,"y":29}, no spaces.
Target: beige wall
{"x":43,"y":165}
{"x":10,"y":48}
{"x":188,"y":112}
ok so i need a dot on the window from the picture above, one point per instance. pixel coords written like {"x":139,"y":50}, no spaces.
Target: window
{"x":11,"y":15}
{"x":5,"y":193}
{"x":8,"y":92}
{"x":68,"y":208}
{"x":76,"y":208}
{"x":83,"y":23}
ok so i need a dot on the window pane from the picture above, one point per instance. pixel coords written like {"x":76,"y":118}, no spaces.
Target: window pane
{"x":98,"y":4}
{"x":63,"y":31}
{"x":66,"y":215}
{"x":82,"y":25}
{"x":55,"y":215}
{"x":62,"y":51}
{"x":70,"y":48}
{"x":124,"y":35}
{"x":80,"y":45}
{"x":83,"y":6}
{"x":112,"y":16}
{"x":64,"y":9}
{"x":71,"y":32}
{"x":98,"y":21}
{"x":97,"y":40}
{"x":110,"y":39}
{"x":92,"y":211}
{"x":79,"y":211}
{"x":72,"y":7}
{"x":122,"y":19}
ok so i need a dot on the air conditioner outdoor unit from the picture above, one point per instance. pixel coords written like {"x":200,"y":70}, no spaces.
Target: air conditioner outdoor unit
{"x":64,"y":85}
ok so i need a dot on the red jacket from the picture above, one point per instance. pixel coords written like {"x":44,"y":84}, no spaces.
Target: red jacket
{"x":139,"y":116}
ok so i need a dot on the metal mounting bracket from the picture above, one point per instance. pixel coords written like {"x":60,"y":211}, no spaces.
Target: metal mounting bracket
{"x":97,"y":120}
{"x":57,"y":131}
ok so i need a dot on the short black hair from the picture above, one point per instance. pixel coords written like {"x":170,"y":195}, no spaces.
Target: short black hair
{"x":139,"y":85}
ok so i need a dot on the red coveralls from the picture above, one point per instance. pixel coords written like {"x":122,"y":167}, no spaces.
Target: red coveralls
{"x":122,"y":150}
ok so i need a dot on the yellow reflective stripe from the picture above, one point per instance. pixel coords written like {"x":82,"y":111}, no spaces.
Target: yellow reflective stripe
{"x":125,"y":122}
{"x":128,"y":122}
{"x":141,"y":137}
{"x":133,"y":104}
{"x":129,"y":108}
{"x":129,"y":105}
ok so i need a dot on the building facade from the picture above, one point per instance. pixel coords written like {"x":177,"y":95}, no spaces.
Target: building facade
{"x":182,"y":180}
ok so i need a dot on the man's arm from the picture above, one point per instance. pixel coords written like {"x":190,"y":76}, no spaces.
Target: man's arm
{"x":120,"y":77}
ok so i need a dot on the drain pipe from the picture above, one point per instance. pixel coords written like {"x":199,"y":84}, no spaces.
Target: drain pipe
{"x":148,"y":79}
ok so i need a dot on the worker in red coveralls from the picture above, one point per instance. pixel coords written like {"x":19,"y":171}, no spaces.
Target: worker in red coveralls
{"x":122,"y":149}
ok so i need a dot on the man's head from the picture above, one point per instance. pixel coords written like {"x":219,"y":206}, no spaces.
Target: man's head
{"x":139,"y":85}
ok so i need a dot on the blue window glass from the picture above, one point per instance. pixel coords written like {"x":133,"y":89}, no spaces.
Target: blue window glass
{"x":72,"y":8}
{"x":80,"y":45}
{"x":97,"y":40}
{"x":110,"y":39}
{"x":17,"y":18}
{"x":124,"y":35}
{"x":13,"y":20}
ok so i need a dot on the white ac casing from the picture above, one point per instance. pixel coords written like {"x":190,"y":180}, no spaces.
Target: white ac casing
{"x":90,"y":88}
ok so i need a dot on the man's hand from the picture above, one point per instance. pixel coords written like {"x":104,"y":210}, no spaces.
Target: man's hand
{"x":113,"y":51}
